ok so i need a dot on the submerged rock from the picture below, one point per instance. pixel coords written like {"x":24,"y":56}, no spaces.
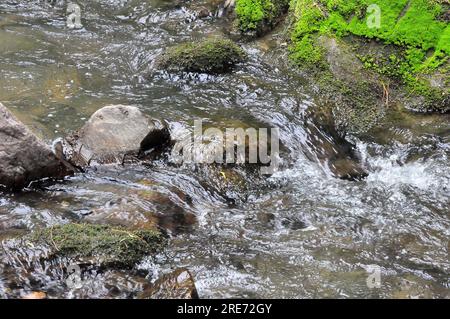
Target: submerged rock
{"x":99,"y":245}
{"x":123,"y":212}
{"x":148,"y":207}
{"x":77,"y":261}
{"x":348,"y":168}
{"x":176,"y":285}
{"x":231,"y":172}
{"x":24,"y":158}
{"x":330,"y":147}
{"x":216,"y":55}
{"x":113,"y":133}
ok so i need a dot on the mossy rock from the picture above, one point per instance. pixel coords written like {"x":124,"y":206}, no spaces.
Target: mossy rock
{"x":417,"y":29}
{"x":423,"y":91}
{"x":259,"y":16}
{"x":100,"y":245}
{"x":212,"y":56}
{"x":351,"y":93}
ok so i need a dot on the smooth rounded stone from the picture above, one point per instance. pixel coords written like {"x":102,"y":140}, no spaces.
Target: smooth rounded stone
{"x":24,"y":158}
{"x":176,"y":285}
{"x":112,"y":134}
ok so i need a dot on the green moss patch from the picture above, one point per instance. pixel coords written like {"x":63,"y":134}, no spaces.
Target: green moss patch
{"x":105,"y":245}
{"x":259,"y":15}
{"x":414,"y":26}
{"x":214,"y":55}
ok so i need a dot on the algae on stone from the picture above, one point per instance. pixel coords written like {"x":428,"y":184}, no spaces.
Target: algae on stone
{"x":408,"y":23}
{"x":106,"y":245}
{"x":352,"y":94}
{"x":215,"y":55}
{"x":259,"y":15}
{"x":413,"y":26}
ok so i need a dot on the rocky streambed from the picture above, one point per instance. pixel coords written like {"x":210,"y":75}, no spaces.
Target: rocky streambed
{"x":94,"y":204}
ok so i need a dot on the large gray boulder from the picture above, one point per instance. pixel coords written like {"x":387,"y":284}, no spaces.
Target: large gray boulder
{"x":113,"y":133}
{"x":24,"y":158}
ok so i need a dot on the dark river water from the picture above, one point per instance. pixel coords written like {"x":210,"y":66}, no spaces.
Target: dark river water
{"x":299,"y":233}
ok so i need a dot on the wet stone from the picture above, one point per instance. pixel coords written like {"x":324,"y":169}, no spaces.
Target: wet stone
{"x":112,"y":134}
{"x":24,"y":158}
{"x":211,"y":56}
{"x":176,"y":285}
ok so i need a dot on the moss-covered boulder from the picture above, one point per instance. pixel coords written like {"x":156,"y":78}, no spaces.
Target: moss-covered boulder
{"x":413,"y":37}
{"x":98,"y":245}
{"x":330,"y":146}
{"x":259,"y":16}
{"x":355,"y":96}
{"x":215,"y":55}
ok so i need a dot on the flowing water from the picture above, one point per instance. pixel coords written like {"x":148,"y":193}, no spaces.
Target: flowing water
{"x":299,"y":233}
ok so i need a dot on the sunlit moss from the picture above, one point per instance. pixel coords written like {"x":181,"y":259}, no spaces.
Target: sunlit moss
{"x":412,"y":25}
{"x":256,"y":15}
